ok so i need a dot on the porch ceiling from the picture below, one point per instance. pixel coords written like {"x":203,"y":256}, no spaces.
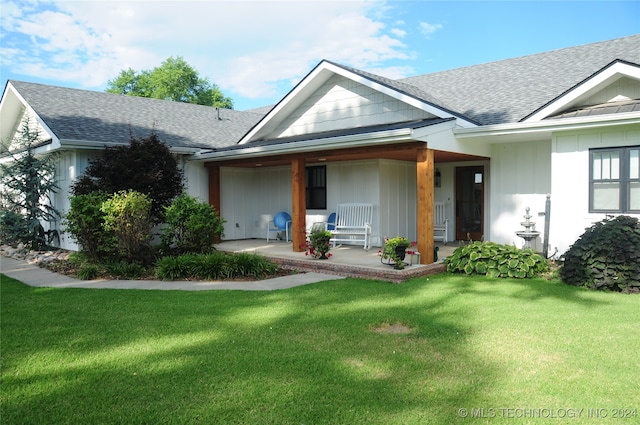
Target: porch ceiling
{"x":400,"y":152}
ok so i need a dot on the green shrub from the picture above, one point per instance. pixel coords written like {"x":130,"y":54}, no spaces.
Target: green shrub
{"x":13,"y":227}
{"x":146,"y":165}
{"x":88,"y":271}
{"x":606,"y":256}
{"x":85,"y":223}
{"x":191,"y":226}
{"x":496,"y":260}
{"x":125,"y":270}
{"x":128,"y":215}
{"x":214,"y":266}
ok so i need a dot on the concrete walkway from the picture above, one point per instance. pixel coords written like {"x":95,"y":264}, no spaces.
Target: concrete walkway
{"x":33,"y":275}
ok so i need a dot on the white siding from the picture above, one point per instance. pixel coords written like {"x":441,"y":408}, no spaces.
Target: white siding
{"x":398,"y":208}
{"x":71,"y":165}
{"x":342,"y":103}
{"x":196,"y":179}
{"x":570,"y":189}
{"x":251,"y":197}
{"x":625,"y":87}
{"x":355,"y":181}
{"x":520,"y":178}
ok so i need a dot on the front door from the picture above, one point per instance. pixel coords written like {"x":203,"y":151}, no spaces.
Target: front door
{"x":470,"y":203}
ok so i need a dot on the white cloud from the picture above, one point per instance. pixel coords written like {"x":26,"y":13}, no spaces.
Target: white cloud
{"x":398,"y":32}
{"x":251,"y":48}
{"x":428,"y":29}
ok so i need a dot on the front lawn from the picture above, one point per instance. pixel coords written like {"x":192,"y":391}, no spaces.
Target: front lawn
{"x":443,"y":350}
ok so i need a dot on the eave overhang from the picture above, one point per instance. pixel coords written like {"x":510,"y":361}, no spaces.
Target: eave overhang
{"x":94,"y":145}
{"x":311,"y":143}
{"x":517,"y":132}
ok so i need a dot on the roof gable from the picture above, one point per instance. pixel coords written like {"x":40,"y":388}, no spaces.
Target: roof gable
{"x":341,"y":103}
{"x":332,"y":93}
{"x":618,"y":81}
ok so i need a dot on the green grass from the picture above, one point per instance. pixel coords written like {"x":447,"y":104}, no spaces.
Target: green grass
{"x":309,"y":355}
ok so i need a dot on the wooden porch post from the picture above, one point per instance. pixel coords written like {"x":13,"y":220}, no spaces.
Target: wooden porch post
{"x":425,"y":169}
{"x":213,"y":171}
{"x":214,"y":186}
{"x":298,"y":204}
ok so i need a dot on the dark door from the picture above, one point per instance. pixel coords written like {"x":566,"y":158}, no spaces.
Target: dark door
{"x":470,"y":203}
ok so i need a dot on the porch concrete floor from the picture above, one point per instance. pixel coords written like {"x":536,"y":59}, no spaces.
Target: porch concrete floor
{"x":346,"y":260}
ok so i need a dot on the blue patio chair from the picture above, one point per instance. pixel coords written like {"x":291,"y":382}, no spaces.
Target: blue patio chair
{"x":331,"y":221}
{"x":330,"y":224}
{"x":281,"y":223}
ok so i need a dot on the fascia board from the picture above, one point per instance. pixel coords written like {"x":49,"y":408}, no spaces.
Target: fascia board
{"x":600,"y":79}
{"x":341,"y":142}
{"x":548,"y":126}
{"x":93,"y":145}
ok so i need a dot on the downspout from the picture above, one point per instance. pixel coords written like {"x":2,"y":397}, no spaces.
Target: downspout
{"x":547,"y":219}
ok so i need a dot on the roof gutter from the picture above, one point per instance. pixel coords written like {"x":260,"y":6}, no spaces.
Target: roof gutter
{"x":546,"y":126}
{"x":89,"y":144}
{"x":340,"y":142}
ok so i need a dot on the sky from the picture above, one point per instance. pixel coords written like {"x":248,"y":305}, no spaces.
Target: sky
{"x":256,"y":51}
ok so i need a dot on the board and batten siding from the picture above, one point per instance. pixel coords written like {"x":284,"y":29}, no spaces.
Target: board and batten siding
{"x":343,"y":104}
{"x":251,"y":197}
{"x":520,"y":178}
{"x":623,"y":88}
{"x":570,"y":188}
{"x":398,"y":206}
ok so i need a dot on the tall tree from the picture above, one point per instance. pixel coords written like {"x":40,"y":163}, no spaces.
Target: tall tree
{"x":28,"y":181}
{"x":174,"y":80}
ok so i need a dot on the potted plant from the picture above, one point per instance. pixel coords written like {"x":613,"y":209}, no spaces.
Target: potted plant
{"x":318,"y":244}
{"x":395,"y":249}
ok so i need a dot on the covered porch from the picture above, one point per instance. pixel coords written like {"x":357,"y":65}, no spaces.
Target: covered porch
{"x":346,"y":260}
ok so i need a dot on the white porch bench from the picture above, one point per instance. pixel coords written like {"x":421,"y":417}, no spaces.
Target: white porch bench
{"x":440,"y":222}
{"x":353,"y":224}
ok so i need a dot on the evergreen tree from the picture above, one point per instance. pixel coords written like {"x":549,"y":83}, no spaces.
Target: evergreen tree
{"x":28,"y":181}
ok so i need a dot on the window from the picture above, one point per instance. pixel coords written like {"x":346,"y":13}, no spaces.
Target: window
{"x":316,"y":184}
{"x":614,"y":180}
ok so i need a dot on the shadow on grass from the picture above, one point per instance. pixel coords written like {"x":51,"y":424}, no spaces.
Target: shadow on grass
{"x":304,"y":355}
{"x":529,"y":289}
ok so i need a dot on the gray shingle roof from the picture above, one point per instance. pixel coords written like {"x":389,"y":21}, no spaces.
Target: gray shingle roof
{"x":492,"y":93}
{"x":74,"y":114}
{"x":509,"y":90}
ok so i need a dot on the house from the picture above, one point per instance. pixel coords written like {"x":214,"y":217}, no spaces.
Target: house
{"x":488,"y":140}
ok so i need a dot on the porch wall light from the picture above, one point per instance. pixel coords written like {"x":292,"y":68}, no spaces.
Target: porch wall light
{"x":437,"y":178}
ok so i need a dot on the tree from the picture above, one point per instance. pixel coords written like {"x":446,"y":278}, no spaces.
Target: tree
{"x":27,"y":182}
{"x":146,"y":166}
{"x":173,"y":80}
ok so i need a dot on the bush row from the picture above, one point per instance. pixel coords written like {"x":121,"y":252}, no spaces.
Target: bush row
{"x":214,"y":266}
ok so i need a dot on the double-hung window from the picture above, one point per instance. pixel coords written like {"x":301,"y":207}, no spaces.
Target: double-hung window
{"x":614,"y":180}
{"x":316,"y":184}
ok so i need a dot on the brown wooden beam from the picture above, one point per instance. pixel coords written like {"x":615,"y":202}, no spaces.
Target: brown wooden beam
{"x":401,"y":151}
{"x":213,"y":172}
{"x":425,"y":170}
{"x":214,"y":186}
{"x":298,"y":204}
